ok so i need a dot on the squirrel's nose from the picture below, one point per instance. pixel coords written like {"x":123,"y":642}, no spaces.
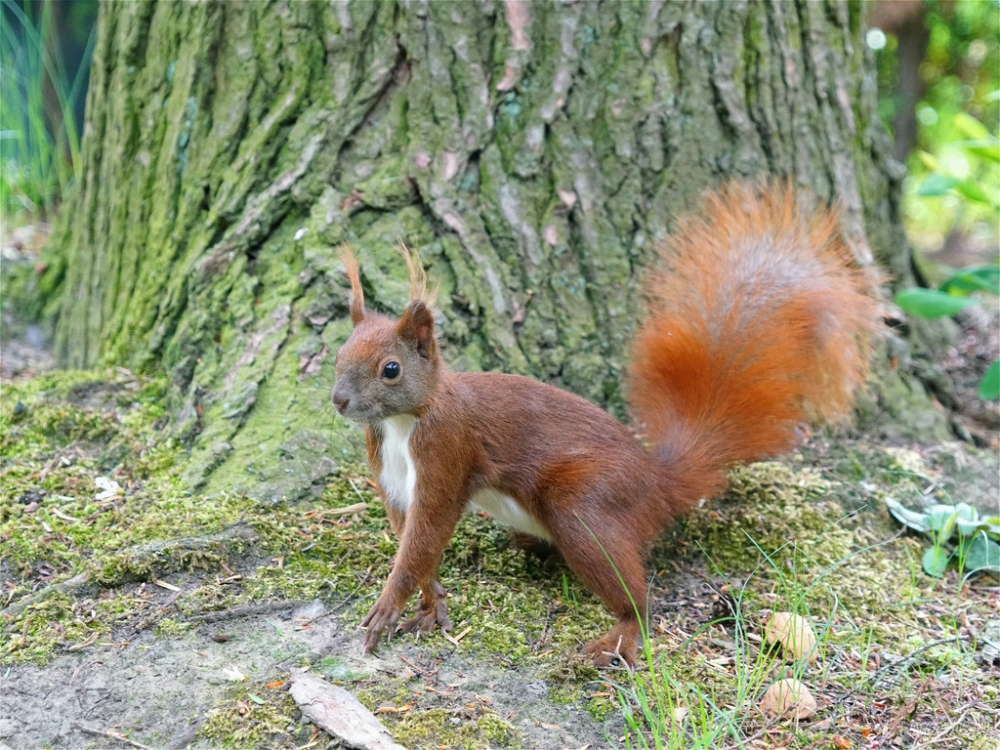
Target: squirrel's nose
{"x":340,"y":401}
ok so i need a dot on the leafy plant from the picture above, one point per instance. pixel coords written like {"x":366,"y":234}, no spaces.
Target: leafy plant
{"x":39,"y":142}
{"x":976,"y":546}
{"x":969,"y":175}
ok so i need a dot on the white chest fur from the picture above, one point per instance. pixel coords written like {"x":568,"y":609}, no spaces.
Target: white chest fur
{"x":398,"y":479}
{"x":399,"y":474}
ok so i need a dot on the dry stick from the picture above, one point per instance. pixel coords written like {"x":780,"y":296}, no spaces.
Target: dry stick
{"x":65,"y":587}
{"x":253,"y":609}
{"x":112,"y":735}
{"x":947,"y":730}
{"x":909,"y":657}
{"x":346,"y":599}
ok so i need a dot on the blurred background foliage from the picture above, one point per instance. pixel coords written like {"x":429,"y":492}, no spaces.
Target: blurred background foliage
{"x":45,"y":51}
{"x":939,"y":84}
{"x":938,"y":67}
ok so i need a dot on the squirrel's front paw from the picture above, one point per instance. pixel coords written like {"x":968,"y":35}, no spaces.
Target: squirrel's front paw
{"x":383,"y":616}
{"x":433,"y":611}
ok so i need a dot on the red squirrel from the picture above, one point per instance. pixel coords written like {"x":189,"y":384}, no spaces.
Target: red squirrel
{"x":760,"y":322}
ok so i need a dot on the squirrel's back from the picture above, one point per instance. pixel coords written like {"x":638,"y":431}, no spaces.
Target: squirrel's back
{"x":761,"y":321}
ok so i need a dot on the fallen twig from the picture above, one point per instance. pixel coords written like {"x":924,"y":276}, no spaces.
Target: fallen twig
{"x":909,"y":657}
{"x":65,"y":587}
{"x":112,"y":735}
{"x":250,"y":609}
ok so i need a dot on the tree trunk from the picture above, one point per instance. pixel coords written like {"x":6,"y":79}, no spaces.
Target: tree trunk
{"x":533,"y":153}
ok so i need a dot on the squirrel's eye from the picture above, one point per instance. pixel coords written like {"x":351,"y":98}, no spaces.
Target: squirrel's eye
{"x":390,"y":371}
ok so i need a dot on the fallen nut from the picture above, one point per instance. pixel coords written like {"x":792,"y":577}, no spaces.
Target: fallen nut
{"x":794,"y":633}
{"x":788,"y":699}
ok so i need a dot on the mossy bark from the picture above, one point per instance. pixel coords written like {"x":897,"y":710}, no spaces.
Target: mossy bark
{"x":532,"y":152}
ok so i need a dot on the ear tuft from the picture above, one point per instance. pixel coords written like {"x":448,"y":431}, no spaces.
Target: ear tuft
{"x":417,"y":327}
{"x":357,"y":303}
{"x":418,"y":276}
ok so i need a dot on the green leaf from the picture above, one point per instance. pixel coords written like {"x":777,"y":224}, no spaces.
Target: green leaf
{"x":930,"y":303}
{"x":979,"y":279}
{"x":942,"y":519}
{"x":969,"y":126}
{"x":967,"y":528}
{"x":910,"y":519}
{"x":935,"y":561}
{"x":973,"y":192}
{"x":991,"y":526}
{"x":987,"y":149}
{"x":989,"y":389}
{"x":983,"y":553}
{"x":256,"y":699}
{"x":936,"y":185}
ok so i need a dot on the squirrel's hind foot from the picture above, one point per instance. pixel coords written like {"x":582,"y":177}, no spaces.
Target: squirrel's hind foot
{"x":617,"y":648}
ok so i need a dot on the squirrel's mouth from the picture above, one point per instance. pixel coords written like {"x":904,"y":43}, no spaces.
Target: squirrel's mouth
{"x":361,"y":414}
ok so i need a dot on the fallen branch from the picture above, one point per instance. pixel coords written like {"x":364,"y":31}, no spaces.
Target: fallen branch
{"x":249,"y":609}
{"x":112,"y":735}
{"x":337,"y":711}
{"x":916,"y":652}
{"x":66,"y":587}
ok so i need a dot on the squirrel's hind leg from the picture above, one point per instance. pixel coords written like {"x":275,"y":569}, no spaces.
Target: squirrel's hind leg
{"x":611,"y":565}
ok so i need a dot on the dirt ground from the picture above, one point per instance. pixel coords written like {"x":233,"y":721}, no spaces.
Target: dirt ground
{"x":160,"y":688}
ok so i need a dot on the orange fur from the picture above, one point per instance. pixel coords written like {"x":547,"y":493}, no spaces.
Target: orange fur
{"x":761,"y":322}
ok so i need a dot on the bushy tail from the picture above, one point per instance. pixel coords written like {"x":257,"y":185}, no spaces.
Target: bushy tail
{"x":761,"y":322}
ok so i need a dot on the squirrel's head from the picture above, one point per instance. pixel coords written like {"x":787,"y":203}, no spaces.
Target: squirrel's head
{"x":386,"y":367}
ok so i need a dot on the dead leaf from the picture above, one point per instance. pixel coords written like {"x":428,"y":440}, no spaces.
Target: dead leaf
{"x":233,"y":674}
{"x":788,"y":699}
{"x":794,"y":633}
{"x":543,"y":725}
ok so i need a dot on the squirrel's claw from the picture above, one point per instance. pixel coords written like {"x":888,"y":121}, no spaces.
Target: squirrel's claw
{"x":382,"y":617}
{"x":427,"y":617}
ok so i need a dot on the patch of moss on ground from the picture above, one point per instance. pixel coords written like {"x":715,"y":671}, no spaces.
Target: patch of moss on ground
{"x":417,"y":717}
{"x":60,"y":621}
{"x":256,"y":716}
{"x":772,"y":515}
{"x":471,"y":729}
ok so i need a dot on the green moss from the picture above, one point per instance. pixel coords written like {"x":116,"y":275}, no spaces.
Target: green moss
{"x":171,"y":627}
{"x":778,"y":515}
{"x":60,"y":621}
{"x":471,"y":729}
{"x":254,"y":716}
{"x":467,"y":725}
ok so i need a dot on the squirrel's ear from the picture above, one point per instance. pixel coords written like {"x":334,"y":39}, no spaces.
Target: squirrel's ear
{"x":357,"y":303}
{"x":417,"y":326}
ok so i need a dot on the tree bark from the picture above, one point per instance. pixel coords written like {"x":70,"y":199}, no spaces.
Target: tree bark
{"x":532,"y":152}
